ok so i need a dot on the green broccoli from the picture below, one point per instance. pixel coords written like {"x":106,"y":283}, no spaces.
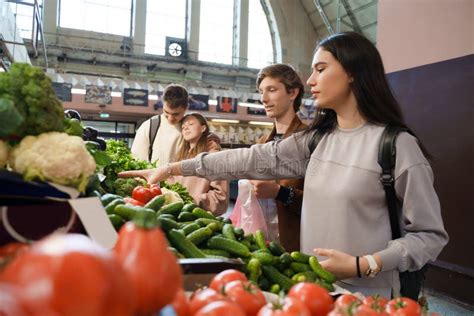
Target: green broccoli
{"x":31,"y":92}
{"x":125,"y":186}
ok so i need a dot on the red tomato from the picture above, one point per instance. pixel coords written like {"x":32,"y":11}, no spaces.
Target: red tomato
{"x":316,"y":298}
{"x":142,"y":194}
{"x":155,"y":189}
{"x":81,"y":278}
{"x":220,"y":308}
{"x":369,"y":310}
{"x":10,"y":301}
{"x":202,"y":297}
{"x":403,"y":306}
{"x":128,"y":200}
{"x":378,"y":300}
{"x":153,"y":270}
{"x":224,"y":277}
{"x":181,"y":303}
{"x":288,"y":307}
{"x":247,"y":295}
{"x":346,"y":304}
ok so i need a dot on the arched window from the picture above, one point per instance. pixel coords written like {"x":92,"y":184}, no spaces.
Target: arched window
{"x":216,"y":31}
{"x":164,"y":18}
{"x":104,"y":16}
{"x":260,"y":48}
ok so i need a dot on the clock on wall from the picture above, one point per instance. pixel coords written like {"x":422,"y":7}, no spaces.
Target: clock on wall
{"x":175,"y":47}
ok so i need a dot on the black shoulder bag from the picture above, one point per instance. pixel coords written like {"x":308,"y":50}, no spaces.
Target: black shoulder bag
{"x":155,"y":123}
{"x":411,"y":282}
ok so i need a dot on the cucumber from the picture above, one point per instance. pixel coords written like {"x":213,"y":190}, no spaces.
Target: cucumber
{"x":215,"y":252}
{"x":199,"y":212}
{"x":228,"y":231}
{"x":200,"y":235}
{"x":184,"y":246}
{"x":324,"y":284}
{"x":108,"y":197}
{"x":189,"y":207}
{"x":172,"y":208}
{"x":186,"y":216}
{"x":116,"y":221}
{"x":319,"y":270}
{"x":167,"y":224}
{"x":206,"y":221}
{"x":263,"y":257}
{"x":275,"y":248}
{"x":169,"y":216}
{"x":254,"y":269}
{"x":300,"y":257}
{"x":288,"y":272}
{"x":274,"y":276}
{"x":300,"y":267}
{"x":260,"y":239}
{"x":110,"y":208}
{"x":216,"y":228}
{"x":156,"y":203}
{"x":232,"y":246}
{"x":286,"y":259}
{"x":126,"y":211}
{"x":189,"y":228}
{"x":275,"y":289}
{"x":238,"y":232}
{"x":264,"y":284}
{"x":308,"y":276}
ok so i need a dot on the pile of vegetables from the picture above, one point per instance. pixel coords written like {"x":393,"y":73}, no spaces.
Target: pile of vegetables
{"x":28,"y":104}
{"x":121,"y":159}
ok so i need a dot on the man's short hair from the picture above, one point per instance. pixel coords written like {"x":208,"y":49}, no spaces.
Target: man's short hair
{"x":176,"y":96}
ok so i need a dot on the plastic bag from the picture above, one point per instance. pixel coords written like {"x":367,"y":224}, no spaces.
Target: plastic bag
{"x":251,"y":213}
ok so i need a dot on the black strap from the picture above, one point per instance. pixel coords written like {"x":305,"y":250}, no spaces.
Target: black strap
{"x":155,"y":123}
{"x":314,"y":141}
{"x":386,"y":158}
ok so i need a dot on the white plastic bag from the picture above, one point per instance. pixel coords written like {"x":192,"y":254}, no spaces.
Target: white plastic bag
{"x":248,"y":213}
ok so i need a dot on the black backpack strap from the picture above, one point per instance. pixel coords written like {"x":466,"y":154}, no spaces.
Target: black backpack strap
{"x":155,"y":123}
{"x":386,"y":159}
{"x":314,"y":141}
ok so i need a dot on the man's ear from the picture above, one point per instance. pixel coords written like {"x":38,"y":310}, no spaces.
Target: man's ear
{"x":294,"y":93}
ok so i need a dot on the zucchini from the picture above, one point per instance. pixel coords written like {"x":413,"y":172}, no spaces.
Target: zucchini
{"x":228,"y":231}
{"x":274,"y":276}
{"x":172,"y":208}
{"x":199,"y":212}
{"x":232,"y":246}
{"x":319,"y":270}
{"x":156,"y":203}
{"x":199,"y":235}
{"x":184,"y":246}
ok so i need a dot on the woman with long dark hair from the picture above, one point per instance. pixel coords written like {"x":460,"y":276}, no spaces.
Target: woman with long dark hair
{"x":344,"y":213}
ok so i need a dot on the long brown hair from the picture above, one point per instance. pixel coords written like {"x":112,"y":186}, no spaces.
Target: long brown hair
{"x":185,"y":152}
{"x":376,"y":102}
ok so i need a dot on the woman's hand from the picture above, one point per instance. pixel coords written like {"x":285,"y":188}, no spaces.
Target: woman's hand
{"x":265,"y":189}
{"x":150,"y":175}
{"x":341,"y":264}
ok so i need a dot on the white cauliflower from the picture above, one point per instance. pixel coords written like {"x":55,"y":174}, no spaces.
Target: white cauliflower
{"x":55,"y":157}
{"x":170,"y":196}
{"x":4,"y":150}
